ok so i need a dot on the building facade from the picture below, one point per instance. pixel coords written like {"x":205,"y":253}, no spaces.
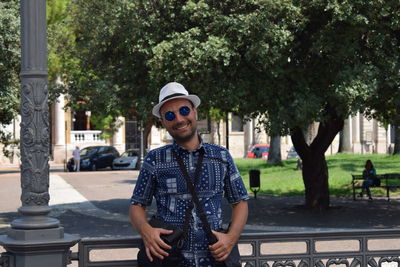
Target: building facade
{"x":70,"y":129}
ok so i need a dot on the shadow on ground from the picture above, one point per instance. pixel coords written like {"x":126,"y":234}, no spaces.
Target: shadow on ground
{"x":266,"y":213}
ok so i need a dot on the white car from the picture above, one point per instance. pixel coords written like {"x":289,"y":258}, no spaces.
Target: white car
{"x":127,"y":161}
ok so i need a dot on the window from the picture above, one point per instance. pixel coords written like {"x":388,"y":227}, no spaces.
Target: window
{"x":102,"y":150}
{"x":236,"y":123}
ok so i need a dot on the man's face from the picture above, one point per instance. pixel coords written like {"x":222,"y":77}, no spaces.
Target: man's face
{"x":182,"y":128}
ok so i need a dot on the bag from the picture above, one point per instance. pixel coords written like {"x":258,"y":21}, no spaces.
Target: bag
{"x":175,"y":240}
{"x":376,"y":182}
{"x":233,"y":259}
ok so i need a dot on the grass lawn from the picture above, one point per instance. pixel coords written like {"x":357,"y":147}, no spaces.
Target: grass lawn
{"x":285,"y":180}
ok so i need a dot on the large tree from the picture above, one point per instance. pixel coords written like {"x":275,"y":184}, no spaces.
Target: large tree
{"x":323,"y":80}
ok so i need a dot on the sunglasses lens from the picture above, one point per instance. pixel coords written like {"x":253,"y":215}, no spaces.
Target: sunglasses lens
{"x":184,"y":110}
{"x":169,"y":116}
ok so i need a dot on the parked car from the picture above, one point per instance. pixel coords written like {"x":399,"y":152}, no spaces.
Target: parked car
{"x":95,"y":157}
{"x":292,"y":154}
{"x":127,"y":161}
{"x":258,"y":151}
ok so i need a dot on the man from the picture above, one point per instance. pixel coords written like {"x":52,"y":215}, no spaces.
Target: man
{"x":77,"y":158}
{"x":161,"y":177}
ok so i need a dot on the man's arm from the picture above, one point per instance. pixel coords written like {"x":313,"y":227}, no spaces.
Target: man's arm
{"x":151,"y":236}
{"x":223,"y":247}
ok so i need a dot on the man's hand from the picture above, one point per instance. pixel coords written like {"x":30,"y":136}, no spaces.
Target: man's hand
{"x":223,"y":247}
{"x":151,"y":236}
{"x":226,"y":242}
{"x":154,"y":244}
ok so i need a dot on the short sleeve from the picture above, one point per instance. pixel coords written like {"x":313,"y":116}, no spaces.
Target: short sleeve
{"x":234,"y":188}
{"x":145,"y":184}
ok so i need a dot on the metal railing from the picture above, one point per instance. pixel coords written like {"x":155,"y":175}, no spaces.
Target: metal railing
{"x":6,"y":260}
{"x":359,"y":248}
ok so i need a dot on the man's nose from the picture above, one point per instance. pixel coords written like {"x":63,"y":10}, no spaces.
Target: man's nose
{"x":179,"y":117}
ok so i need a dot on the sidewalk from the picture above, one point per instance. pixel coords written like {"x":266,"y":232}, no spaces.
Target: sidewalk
{"x":12,"y":168}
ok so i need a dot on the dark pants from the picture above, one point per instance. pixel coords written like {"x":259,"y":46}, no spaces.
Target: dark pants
{"x":366,"y":185}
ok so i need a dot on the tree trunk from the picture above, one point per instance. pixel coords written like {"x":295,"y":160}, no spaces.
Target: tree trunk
{"x":396,"y":149}
{"x":274,"y":153}
{"x":316,"y":184}
{"x":315,"y":169}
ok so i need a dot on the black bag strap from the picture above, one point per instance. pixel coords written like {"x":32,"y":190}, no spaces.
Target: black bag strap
{"x":187,"y":218}
{"x":207,"y":229}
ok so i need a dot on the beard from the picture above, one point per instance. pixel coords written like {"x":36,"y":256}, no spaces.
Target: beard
{"x":181,"y":139}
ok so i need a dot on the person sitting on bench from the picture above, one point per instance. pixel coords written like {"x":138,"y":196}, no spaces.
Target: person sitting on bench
{"x":369,"y":175}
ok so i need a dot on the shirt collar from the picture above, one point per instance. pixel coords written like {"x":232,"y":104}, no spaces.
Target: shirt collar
{"x":180,"y":149}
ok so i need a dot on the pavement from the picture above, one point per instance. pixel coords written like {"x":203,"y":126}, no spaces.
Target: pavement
{"x":267,"y":213}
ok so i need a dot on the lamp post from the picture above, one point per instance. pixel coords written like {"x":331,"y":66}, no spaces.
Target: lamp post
{"x":35,"y":239}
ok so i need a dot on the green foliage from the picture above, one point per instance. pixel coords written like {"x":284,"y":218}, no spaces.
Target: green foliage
{"x":285,"y":180}
{"x":383,"y":49}
{"x":295,"y":62}
{"x":58,"y":33}
{"x":108,"y":124}
{"x":319,"y":77}
{"x":109,"y":75}
{"x":220,"y":45}
{"x":10,"y":145}
{"x":9,"y":60}
{"x":62,"y":61}
{"x":10,"y":54}
{"x":128,"y":50}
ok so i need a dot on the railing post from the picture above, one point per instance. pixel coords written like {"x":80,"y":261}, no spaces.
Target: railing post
{"x":35,"y":239}
{"x":6,"y":260}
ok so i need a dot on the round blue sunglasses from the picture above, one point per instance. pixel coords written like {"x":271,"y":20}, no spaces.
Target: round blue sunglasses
{"x":170,"y":115}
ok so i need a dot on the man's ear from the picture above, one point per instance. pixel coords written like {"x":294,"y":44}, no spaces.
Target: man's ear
{"x":196,"y":114}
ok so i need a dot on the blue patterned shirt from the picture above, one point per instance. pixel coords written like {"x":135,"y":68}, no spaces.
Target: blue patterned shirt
{"x":160,"y":177}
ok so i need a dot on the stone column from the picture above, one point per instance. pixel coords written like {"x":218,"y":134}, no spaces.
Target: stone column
{"x":368,"y":136}
{"x":60,"y":146}
{"x":389,"y":139}
{"x":248,"y":135}
{"x":356,"y":134}
{"x":347,"y":136}
{"x":381,"y":144}
{"x":118,"y":136}
{"x":35,"y":239}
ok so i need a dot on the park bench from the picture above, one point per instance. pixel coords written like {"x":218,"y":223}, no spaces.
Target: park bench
{"x":388,"y":181}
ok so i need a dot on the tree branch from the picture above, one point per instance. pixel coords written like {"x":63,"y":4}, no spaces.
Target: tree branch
{"x":327,"y":131}
{"x":299,"y":142}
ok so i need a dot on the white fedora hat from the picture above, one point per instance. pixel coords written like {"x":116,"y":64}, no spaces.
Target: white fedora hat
{"x":174,"y":90}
